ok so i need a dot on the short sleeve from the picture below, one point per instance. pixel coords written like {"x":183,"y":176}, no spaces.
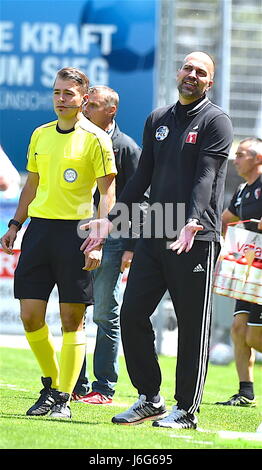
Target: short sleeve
{"x":31,"y":160}
{"x":103,"y":158}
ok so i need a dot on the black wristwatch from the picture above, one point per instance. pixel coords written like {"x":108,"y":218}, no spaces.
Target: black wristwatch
{"x":16,"y":223}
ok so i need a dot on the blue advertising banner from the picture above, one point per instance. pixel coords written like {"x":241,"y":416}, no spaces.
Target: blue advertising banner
{"x":112,"y":41}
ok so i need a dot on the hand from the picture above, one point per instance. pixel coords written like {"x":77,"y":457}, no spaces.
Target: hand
{"x":99,"y":230}
{"x":126,"y":260}
{"x":8,"y":239}
{"x":186,"y":237}
{"x":93,"y":259}
{"x":259,"y":226}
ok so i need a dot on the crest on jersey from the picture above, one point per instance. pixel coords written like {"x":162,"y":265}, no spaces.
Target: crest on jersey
{"x":162,"y":132}
{"x":70,"y":175}
{"x":257,"y":193}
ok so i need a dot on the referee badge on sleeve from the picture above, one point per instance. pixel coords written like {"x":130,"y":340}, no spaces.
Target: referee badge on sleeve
{"x":70,"y":175}
{"x":161,"y":132}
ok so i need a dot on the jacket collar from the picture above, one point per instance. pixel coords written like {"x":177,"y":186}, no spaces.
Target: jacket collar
{"x":197,"y":108}
{"x":116,"y":132}
{"x":110,"y":132}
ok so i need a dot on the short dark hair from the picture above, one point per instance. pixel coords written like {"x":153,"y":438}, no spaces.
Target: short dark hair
{"x":71,"y":73}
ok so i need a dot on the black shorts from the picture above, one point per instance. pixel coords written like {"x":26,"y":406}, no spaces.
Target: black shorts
{"x":254,"y":312}
{"x":50,"y":254}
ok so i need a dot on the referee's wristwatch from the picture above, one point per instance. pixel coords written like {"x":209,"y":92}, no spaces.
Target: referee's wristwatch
{"x":14,"y":222}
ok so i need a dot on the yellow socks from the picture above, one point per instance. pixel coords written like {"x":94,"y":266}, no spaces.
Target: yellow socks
{"x":42,"y":345}
{"x":71,"y":360}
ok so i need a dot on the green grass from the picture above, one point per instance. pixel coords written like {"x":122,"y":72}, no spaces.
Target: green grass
{"x":91,"y":426}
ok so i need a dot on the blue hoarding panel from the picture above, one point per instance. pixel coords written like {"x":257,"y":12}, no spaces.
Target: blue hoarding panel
{"x":112,"y":41}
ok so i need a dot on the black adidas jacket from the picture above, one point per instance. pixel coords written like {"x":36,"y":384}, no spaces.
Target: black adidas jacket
{"x":184,"y":160}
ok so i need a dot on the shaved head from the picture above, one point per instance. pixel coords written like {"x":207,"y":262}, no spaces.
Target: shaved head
{"x":195,"y":77}
{"x":204,"y":58}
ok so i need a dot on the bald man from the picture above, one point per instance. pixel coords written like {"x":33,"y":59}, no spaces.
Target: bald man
{"x":184,"y":160}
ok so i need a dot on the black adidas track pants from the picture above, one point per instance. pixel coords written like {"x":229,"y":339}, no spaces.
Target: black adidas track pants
{"x":188,"y":278}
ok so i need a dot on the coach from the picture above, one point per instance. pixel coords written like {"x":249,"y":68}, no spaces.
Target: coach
{"x":184,"y":160}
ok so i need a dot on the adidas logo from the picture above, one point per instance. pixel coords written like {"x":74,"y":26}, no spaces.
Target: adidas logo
{"x":198,"y":269}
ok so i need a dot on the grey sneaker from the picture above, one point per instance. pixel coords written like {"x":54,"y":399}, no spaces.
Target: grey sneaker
{"x":177,"y":419}
{"x":238,"y":400}
{"x":140,"y":411}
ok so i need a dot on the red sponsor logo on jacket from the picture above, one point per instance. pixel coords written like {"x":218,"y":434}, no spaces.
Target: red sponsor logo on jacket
{"x":191,"y":138}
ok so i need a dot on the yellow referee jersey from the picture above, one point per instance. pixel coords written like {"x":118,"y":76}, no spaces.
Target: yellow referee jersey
{"x":68,"y":164}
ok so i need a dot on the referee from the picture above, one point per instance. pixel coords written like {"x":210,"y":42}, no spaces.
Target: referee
{"x":65,"y":163}
{"x":184,"y":160}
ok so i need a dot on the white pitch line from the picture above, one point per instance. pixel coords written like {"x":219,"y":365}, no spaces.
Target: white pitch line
{"x":248,"y":436}
{"x":14,"y":387}
{"x":191,"y":439}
